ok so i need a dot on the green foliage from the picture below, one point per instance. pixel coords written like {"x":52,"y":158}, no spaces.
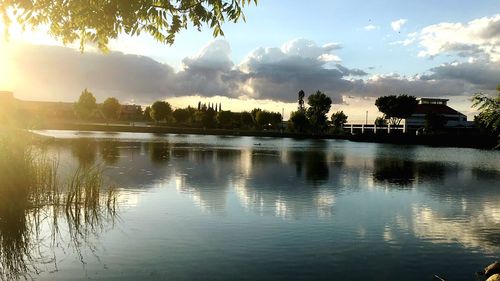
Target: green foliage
{"x":160,"y":111}
{"x":99,"y":21}
{"x":489,"y":112}
{"x":86,"y":106}
{"x":208,"y":118}
{"x":396,"y":108}
{"x":299,"y":121}
{"x":319,"y":105}
{"x":147,"y":114}
{"x":380,"y":121}
{"x":225,"y":119}
{"x":339,"y":119}
{"x":268,"y":120}
{"x":246,"y":120}
{"x":181,"y":115}
{"x":111,"y":109}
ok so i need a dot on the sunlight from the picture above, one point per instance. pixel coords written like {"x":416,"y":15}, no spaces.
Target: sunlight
{"x":5,"y":74}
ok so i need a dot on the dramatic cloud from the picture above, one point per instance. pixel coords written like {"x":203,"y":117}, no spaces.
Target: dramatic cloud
{"x":398,"y":24}
{"x":379,"y":85}
{"x":479,"y":38}
{"x":277,"y":74}
{"x":482,"y":75}
{"x":58,"y":73}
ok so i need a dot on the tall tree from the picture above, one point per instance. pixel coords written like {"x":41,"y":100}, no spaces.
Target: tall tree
{"x":319,"y":105}
{"x":181,"y":115}
{"x":299,"y":121}
{"x":396,"y":108}
{"x":160,"y":110}
{"x":147,"y":113}
{"x":489,"y":112}
{"x":301,"y":96}
{"x":99,"y":21}
{"x":246,"y":120}
{"x":111,"y":109}
{"x":86,"y":105}
{"x":338,"y":119}
{"x":225,"y":119}
{"x":208,"y":119}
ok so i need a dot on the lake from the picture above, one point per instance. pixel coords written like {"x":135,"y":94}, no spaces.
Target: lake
{"x":194,"y":207}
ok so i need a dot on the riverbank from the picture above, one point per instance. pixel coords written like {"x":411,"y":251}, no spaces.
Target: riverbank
{"x":442,"y":140}
{"x":179,"y":130}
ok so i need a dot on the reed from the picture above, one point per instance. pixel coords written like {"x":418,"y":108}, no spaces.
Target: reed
{"x":34,"y":197}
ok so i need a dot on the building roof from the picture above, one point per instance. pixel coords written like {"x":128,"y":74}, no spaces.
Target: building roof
{"x":436,"y":109}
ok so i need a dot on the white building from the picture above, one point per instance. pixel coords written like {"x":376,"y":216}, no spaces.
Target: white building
{"x":428,"y":106}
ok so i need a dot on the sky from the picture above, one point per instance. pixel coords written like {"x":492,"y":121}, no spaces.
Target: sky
{"x":353,"y":51}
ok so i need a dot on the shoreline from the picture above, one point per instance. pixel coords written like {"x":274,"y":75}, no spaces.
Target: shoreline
{"x":444,"y":140}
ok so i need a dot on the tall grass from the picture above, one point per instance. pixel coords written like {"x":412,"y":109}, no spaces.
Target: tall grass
{"x":33,"y":198}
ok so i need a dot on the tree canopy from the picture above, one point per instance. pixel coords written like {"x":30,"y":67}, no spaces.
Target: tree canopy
{"x":160,"y":110}
{"x":319,"y":105}
{"x":86,"y":105}
{"x":111,"y":109}
{"x":299,"y":121}
{"x":99,"y":21}
{"x":489,"y":111}
{"x":339,"y":119}
{"x":396,"y":108}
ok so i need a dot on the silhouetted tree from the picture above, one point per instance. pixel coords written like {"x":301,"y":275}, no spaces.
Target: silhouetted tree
{"x":181,"y":115}
{"x":489,"y":110}
{"x":111,"y":109}
{"x":246,"y":120}
{"x":160,"y":110}
{"x":380,"y":121}
{"x":267,"y":119}
{"x":319,"y":105}
{"x":396,"y":108}
{"x":338,"y":119}
{"x":301,"y":100}
{"x":147,"y":114}
{"x":225,"y":119}
{"x":86,"y":106}
{"x":209,"y":118}
{"x":299,"y":121}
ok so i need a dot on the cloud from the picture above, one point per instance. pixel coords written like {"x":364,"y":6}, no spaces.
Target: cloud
{"x":370,"y":27}
{"x":478,"y":38}
{"x":408,"y":41}
{"x":480,"y":74}
{"x":273,"y":73}
{"x":379,"y":85}
{"x":398,"y":24}
{"x":58,"y":73}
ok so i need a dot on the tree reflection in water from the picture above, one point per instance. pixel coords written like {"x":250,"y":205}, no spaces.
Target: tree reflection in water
{"x":35,"y":209}
{"x":110,"y":152}
{"x":85,"y":150}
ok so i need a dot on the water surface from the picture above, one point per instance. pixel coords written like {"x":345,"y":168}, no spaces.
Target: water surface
{"x":244,"y":208}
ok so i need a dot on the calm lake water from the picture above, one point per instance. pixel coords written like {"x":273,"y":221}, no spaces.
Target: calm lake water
{"x":196,"y":207}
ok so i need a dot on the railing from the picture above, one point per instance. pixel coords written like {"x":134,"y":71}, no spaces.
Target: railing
{"x":372,"y":128}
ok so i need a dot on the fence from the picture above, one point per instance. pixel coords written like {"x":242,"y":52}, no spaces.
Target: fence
{"x":372,"y":128}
